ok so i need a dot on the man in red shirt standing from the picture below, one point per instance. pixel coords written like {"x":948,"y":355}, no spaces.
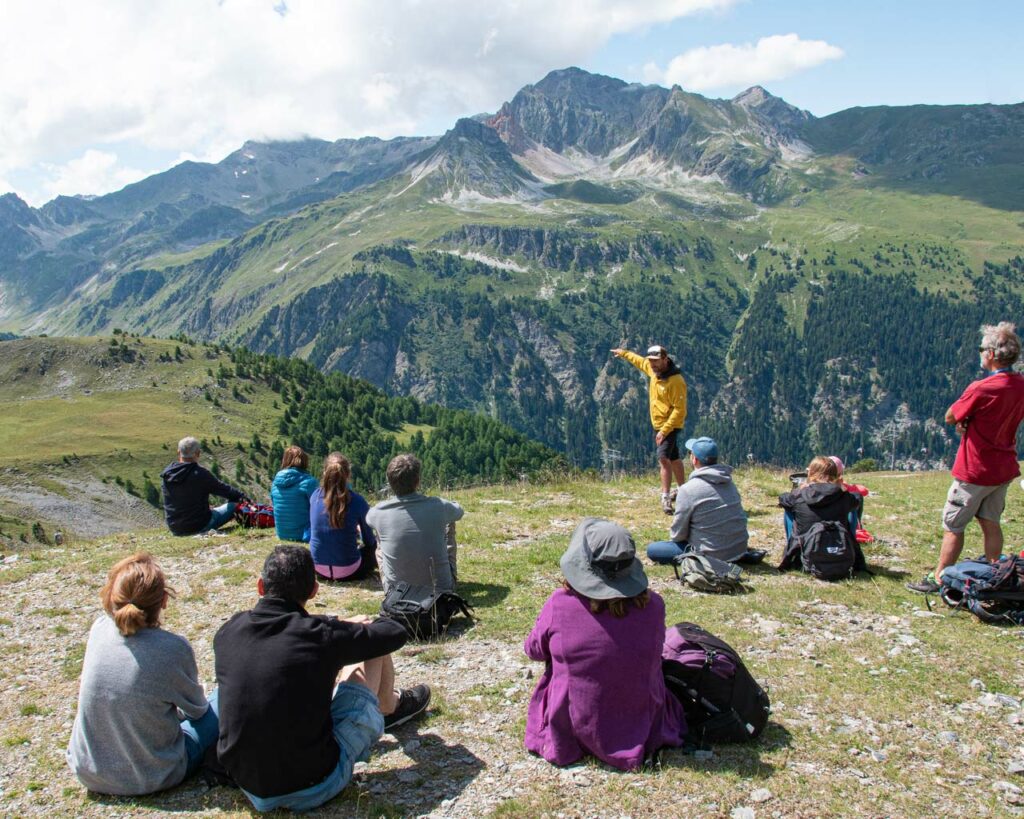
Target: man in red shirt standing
{"x":986,"y":416}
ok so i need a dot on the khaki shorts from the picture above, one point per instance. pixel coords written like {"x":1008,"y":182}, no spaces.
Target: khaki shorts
{"x":967,"y":501}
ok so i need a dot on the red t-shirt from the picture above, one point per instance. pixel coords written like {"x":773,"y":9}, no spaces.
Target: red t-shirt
{"x":993,"y":408}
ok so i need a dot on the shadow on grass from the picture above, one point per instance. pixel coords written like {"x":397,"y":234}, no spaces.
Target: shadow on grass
{"x":740,"y":758}
{"x":883,"y":571}
{"x":766,"y":566}
{"x":439,"y":771}
{"x":483,"y":595}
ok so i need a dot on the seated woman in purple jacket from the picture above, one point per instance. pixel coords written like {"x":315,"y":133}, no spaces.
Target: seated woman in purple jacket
{"x":337,"y":516}
{"x":600,"y":636}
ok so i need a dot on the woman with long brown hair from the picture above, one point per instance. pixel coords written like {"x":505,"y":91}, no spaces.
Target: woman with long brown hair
{"x":136,"y":677}
{"x":337,"y":517}
{"x":290,"y":492}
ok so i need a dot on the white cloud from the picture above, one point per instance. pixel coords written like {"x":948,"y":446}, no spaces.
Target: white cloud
{"x":94,"y":172}
{"x":192,"y":76}
{"x":727,"y":65}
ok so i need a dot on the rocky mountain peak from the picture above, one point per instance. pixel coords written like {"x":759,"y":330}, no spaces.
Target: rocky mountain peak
{"x":775,"y":110}
{"x":15,"y":210}
{"x":577,"y":83}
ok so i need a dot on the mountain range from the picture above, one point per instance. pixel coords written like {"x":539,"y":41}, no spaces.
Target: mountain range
{"x":493,"y":267}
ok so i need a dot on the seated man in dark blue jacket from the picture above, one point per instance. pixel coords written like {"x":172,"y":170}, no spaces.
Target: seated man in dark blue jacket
{"x":187,"y":488}
{"x":289,"y":736}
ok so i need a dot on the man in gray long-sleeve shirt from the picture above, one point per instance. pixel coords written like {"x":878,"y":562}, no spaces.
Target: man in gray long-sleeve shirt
{"x":709,"y":517}
{"x":416,"y":532}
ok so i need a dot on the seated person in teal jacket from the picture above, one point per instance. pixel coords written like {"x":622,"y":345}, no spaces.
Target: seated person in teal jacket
{"x":290,"y":492}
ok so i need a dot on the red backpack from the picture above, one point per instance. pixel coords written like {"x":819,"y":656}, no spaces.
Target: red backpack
{"x":255,"y":515}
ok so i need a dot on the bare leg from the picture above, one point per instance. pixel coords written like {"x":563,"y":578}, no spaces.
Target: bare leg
{"x":952,"y":545}
{"x":993,"y":535}
{"x":666,"y":475}
{"x":378,"y":675}
{"x":678,"y":472}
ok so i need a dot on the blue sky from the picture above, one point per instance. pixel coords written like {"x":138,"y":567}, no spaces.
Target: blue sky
{"x":899,"y":52}
{"x":98,"y":95}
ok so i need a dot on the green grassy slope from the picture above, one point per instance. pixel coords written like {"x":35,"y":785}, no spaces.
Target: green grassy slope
{"x":87,"y":425}
{"x":82,"y":420}
{"x":879,"y":703}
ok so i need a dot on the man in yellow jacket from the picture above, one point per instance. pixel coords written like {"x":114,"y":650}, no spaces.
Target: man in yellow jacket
{"x":667,"y":396}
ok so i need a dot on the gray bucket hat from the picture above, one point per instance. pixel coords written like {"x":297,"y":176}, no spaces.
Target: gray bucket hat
{"x":601,"y":563}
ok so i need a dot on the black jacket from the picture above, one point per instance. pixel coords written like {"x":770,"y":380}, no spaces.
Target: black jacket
{"x":187,"y":489}
{"x":818,"y":502}
{"x":276,"y":667}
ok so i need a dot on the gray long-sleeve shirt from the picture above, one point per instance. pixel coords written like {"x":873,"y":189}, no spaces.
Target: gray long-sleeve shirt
{"x":127,"y":737}
{"x":709,"y":514}
{"x":411,"y":529}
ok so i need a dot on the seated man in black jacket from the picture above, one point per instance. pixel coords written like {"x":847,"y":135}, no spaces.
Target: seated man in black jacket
{"x":288,"y":736}
{"x":187,"y":488}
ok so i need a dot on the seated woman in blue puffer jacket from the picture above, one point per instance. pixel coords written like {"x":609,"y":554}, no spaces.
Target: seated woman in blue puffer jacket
{"x":290,"y":492}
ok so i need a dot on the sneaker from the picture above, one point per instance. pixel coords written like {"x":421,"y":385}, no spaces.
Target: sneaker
{"x":666,"y":505}
{"x":411,"y":703}
{"x":926,"y":585}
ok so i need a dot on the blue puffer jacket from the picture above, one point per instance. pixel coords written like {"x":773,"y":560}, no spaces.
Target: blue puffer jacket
{"x":290,"y":493}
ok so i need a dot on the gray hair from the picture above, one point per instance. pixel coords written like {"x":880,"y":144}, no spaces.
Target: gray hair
{"x":188,"y":447}
{"x":1002,"y":341}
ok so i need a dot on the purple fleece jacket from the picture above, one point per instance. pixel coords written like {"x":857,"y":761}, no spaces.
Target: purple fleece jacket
{"x":602,"y":692}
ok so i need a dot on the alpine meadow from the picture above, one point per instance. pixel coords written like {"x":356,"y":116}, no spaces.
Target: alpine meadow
{"x":820,"y":282}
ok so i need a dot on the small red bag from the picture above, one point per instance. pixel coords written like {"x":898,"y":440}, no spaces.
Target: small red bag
{"x":255,"y":515}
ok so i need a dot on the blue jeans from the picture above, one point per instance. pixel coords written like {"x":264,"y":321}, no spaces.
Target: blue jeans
{"x":788,"y":521}
{"x":200,"y":734}
{"x":666,"y":552}
{"x":220,"y":515}
{"x":357,"y":725}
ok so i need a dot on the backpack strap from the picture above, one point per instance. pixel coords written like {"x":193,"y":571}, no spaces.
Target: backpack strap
{"x":791,"y":557}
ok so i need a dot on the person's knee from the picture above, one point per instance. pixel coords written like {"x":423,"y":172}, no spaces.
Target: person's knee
{"x":662,"y":552}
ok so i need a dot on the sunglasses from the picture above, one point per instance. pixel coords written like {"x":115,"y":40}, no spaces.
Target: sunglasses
{"x":983,"y":349}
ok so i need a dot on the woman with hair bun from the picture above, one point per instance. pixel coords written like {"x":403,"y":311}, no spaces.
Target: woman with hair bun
{"x":128,"y":738}
{"x":290,"y":492}
{"x":337,"y":516}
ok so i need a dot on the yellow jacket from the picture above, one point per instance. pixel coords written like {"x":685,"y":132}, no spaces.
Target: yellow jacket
{"x":667,"y":395}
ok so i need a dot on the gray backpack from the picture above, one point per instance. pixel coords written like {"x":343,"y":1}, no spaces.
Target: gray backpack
{"x":708,"y":574}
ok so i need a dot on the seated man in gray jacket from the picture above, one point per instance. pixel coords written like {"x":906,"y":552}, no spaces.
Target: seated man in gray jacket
{"x":709,"y":517}
{"x":415,"y":532}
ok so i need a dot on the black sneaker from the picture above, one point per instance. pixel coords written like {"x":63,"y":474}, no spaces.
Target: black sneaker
{"x":926,"y":585}
{"x":411,"y":703}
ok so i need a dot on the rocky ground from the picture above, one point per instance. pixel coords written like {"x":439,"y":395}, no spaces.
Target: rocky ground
{"x":881,"y":706}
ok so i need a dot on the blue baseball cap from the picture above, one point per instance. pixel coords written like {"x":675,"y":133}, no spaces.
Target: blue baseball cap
{"x":703,"y":449}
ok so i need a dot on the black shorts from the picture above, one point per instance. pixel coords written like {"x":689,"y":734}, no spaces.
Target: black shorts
{"x":669,"y":446}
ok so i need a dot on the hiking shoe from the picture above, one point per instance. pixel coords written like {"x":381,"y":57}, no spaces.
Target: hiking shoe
{"x":666,"y":505}
{"x":411,"y":703}
{"x":926,"y":585}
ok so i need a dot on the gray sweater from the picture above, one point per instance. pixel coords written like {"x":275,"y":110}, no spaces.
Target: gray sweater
{"x":127,"y":737}
{"x":411,"y":531}
{"x":709,"y":514}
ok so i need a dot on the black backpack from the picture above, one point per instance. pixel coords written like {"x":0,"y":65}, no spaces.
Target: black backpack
{"x":722,"y":701}
{"x":826,"y":551}
{"x":424,"y":612}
